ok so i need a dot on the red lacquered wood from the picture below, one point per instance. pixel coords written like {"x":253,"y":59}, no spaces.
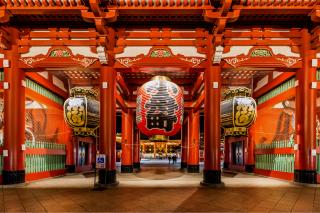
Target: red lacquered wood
{"x":43,"y":151}
{"x":127,"y":138}
{"x":274,"y":151}
{"x":14,"y":109}
{"x":275,"y":174}
{"x":46,"y":174}
{"x":278,"y":98}
{"x":38,"y":97}
{"x":194,"y":136}
{"x":271,"y":85}
{"x":108,"y":116}
{"x":306,"y":108}
{"x":47,"y":84}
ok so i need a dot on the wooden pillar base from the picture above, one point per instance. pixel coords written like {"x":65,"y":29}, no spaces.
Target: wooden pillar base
{"x":126,"y":168}
{"x":305,"y":176}
{"x":137,"y":165}
{"x":184,"y":165}
{"x":71,"y":168}
{"x":211,"y":177}
{"x":193,"y":168}
{"x":108,"y":177}
{"x":249,"y":168}
{"x":13,"y":177}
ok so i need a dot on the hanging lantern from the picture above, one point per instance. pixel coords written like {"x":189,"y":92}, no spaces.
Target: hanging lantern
{"x":82,"y":111}
{"x":159,"y":108}
{"x":238,"y":111}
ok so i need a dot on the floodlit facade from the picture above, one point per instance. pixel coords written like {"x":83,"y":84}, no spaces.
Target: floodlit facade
{"x":241,"y":91}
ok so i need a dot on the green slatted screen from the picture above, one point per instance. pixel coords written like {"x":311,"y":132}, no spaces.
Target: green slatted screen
{"x":276,"y":144}
{"x":42,"y":163}
{"x":43,"y":91}
{"x":275,"y":162}
{"x":318,"y":74}
{"x":276,"y":91}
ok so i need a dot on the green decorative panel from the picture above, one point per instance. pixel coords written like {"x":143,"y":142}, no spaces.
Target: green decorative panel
{"x":43,"y":91}
{"x":44,"y":145}
{"x":276,"y":91}
{"x":318,"y":74}
{"x":276,"y":144}
{"x":42,"y":163}
{"x":275,"y":162}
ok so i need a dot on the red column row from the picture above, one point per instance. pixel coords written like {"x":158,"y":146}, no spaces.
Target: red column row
{"x":193,"y":141}
{"x":212,"y":85}
{"x":127,"y":142}
{"x":184,"y":145}
{"x":136,"y":149}
{"x":107,"y":140}
{"x":305,"y":158}
{"x":14,"y":117}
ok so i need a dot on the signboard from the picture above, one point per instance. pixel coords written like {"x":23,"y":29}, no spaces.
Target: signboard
{"x":101,"y":161}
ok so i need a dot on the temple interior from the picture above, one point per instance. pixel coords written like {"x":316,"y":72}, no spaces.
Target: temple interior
{"x":214,"y":103}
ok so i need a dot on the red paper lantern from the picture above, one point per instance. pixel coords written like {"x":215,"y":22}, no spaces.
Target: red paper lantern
{"x":159,"y":107}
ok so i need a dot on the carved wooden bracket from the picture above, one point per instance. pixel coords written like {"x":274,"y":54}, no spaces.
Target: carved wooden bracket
{"x":57,"y":57}
{"x":263,"y":57}
{"x":160,"y":57}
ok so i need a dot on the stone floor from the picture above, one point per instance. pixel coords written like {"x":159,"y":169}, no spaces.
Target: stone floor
{"x":160,"y":188}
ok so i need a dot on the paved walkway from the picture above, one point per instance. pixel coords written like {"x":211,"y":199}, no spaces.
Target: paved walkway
{"x":161,"y":189}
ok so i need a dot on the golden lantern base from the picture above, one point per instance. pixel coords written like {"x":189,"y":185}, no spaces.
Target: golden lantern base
{"x":159,"y":138}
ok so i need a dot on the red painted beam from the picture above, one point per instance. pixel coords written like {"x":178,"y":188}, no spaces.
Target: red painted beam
{"x":43,"y":151}
{"x":275,"y":151}
{"x":120,"y":101}
{"x":198,"y":103}
{"x":38,"y":97}
{"x":47,"y":84}
{"x":197,"y":85}
{"x":278,"y":80}
{"x":123,"y":85}
{"x":282,"y":96}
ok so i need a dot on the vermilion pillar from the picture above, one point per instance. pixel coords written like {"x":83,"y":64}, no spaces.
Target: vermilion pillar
{"x":193,"y":142}
{"x":136,"y":148}
{"x":127,"y":142}
{"x":305,"y":167}
{"x":14,"y":117}
{"x":249,"y":151}
{"x":184,"y":146}
{"x":212,"y":85}
{"x":226,"y":159}
{"x":107,"y":142}
{"x":70,"y":162}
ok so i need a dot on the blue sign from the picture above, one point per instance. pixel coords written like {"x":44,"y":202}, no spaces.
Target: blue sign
{"x":101,"y":161}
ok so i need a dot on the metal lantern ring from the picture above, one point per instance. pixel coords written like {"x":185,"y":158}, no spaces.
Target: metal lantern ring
{"x":159,"y":107}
